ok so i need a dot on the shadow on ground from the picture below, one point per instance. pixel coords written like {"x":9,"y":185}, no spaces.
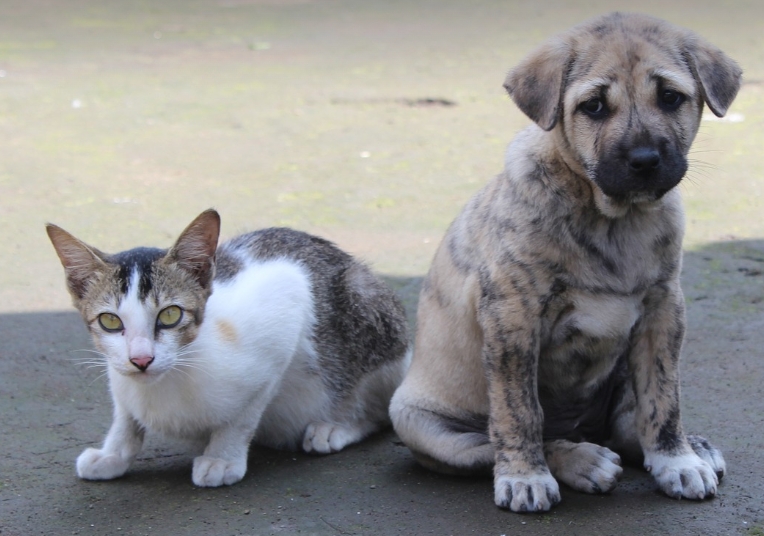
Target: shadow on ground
{"x":52,"y":408}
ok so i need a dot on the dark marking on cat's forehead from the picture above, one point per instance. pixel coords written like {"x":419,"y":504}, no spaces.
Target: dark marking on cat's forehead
{"x":140,"y":260}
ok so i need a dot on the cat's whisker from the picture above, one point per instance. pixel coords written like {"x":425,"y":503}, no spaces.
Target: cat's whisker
{"x":181,"y":354}
{"x":179,"y":370}
{"x":189,"y":364}
{"x":180,"y":365}
{"x":86,"y":359}
{"x":97,"y":378}
{"x":188,"y":349}
{"x":93,"y":364}
{"x":88,"y":350}
{"x":100,"y":362}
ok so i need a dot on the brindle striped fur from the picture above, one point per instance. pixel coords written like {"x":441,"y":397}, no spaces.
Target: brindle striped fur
{"x":551,"y":322}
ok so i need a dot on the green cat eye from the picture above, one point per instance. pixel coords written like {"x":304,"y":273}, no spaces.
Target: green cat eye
{"x":110,"y":322}
{"x":169,"y":317}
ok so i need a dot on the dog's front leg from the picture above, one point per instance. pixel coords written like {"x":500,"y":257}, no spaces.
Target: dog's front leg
{"x":522,"y":480}
{"x":654,"y":360}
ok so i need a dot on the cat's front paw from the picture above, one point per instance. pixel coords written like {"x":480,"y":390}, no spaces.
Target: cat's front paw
{"x":536,"y":492}
{"x":95,"y":464}
{"x":686,"y":475}
{"x":212,"y":472}
{"x":326,"y":437}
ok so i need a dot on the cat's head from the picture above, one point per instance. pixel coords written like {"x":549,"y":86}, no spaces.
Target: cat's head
{"x":145,"y":305}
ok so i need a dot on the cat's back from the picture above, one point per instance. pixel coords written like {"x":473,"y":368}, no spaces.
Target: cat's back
{"x":316,"y":254}
{"x":360,"y":323}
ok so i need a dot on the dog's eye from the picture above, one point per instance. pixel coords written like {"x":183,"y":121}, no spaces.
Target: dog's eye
{"x":668,"y":99}
{"x":594,"y":108}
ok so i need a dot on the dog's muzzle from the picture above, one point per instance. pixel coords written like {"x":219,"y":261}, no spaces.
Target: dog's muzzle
{"x":640,"y":169}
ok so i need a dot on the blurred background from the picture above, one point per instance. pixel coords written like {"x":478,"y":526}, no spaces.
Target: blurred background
{"x":369,"y":122}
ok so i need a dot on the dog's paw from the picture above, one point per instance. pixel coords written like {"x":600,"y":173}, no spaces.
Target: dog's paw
{"x":212,"y":472}
{"x":527,"y":493}
{"x":686,"y":475}
{"x":584,"y":466}
{"x":708,"y":453}
{"x":326,"y":437}
{"x":95,"y":464}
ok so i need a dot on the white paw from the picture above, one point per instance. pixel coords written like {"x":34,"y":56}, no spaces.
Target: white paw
{"x":586,"y":467}
{"x":94,"y":464}
{"x":531,"y":493}
{"x":686,"y":475}
{"x":212,"y":472}
{"x":709,"y":454}
{"x":325,"y":437}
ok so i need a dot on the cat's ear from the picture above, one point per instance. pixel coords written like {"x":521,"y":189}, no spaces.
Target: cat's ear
{"x":195,"y":249}
{"x":80,"y":261}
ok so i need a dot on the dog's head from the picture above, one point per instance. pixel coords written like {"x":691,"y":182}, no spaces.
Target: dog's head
{"x":625,"y":93}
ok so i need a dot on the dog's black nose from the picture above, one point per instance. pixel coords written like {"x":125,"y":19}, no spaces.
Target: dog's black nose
{"x":644,"y":159}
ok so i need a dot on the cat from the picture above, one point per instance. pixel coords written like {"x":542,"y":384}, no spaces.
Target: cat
{"x":275,"y":336}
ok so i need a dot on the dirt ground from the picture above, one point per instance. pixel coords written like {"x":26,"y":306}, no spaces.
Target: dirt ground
{"x":371,"y":123}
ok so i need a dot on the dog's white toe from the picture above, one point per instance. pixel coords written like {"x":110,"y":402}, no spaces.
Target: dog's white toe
{"x":528,"y":493}
{"x":584,"y":467}
{"x":685,"y":476}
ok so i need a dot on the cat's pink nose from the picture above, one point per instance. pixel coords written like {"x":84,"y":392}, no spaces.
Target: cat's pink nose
{"x":142,"y":362}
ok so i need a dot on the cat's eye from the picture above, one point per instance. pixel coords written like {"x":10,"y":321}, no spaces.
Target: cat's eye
{"x":110,"y":322}
{"x":169,"y":317}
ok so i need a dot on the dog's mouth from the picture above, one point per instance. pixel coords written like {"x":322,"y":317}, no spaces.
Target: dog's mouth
{"x":635,"y":192}
{"x":635,"y":198}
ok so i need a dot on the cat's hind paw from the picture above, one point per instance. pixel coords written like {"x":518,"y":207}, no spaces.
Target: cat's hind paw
{"x":327,"y":437}
{"x":212,"y":472}
{"x":95,"y":464}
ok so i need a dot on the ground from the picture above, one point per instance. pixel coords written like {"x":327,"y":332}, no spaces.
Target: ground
{"x":370,"y":123}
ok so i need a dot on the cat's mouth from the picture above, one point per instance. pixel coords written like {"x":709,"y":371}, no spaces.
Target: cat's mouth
{"x":147,"y":375}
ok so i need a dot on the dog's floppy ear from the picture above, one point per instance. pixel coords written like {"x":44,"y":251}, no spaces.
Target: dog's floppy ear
{"x":718,"y":75}
{"x":537,"y":83}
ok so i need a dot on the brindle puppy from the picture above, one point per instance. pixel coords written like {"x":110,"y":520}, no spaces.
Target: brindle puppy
{"x":552,"y":319}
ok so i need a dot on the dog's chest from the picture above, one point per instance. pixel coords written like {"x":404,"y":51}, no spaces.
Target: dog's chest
{"x":594,"y":316}
{"x":583,"y":335}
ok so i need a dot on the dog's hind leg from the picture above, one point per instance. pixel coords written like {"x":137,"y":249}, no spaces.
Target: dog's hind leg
{"x":443,"y":443}
{"x":622,"y":425}
{"x":440,"y":411}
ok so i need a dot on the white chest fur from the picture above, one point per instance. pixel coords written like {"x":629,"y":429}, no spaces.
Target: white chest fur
{"x":585,"y":338}
{"x":604,"y":316}
{"x":254,"y":328}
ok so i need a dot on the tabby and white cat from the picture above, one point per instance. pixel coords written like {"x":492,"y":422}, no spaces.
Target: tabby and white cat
{"x":276,"y":336}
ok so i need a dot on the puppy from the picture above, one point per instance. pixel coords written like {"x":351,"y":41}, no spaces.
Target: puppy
{"x":551,"y":321}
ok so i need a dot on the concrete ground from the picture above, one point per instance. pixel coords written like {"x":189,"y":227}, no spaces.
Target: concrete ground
{"x":370,"y":123}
